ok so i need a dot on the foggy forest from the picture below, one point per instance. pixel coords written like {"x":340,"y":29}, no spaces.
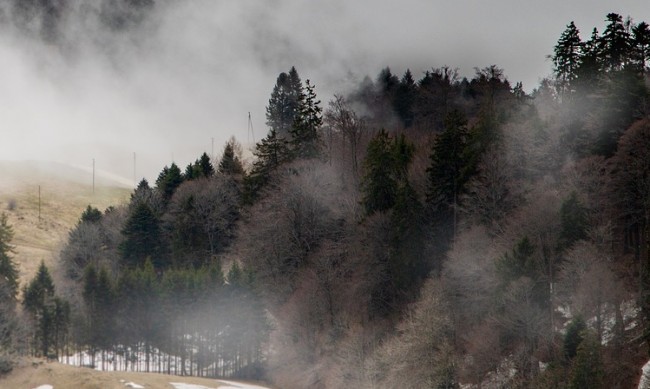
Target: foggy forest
{"x":432,"y":230}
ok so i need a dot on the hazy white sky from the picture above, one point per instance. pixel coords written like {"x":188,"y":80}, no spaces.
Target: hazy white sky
{"x":197,"y":67}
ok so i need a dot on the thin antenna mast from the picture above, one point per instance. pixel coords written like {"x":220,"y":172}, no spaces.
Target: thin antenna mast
{"x":251,"y":134}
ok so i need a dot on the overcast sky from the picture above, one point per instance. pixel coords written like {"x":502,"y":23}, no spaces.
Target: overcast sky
{"x":197,"y":67}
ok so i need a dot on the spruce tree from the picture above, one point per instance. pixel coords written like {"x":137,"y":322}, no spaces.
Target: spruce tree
{"x":566,"y":57}
{"x":615,"y":43}
{"x":8,"y":270}
{"x":305,"y":132}
{"x":640,"y":47}
{"x":230,"y":163}
{"x":168,"y":180}
{"x":142,"y":238}
{"x":284,"y":103}
{"x":38,"y":300}
{"x":379,"y":184}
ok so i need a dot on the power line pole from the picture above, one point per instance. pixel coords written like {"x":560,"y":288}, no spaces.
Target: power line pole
{"x":251,"y":134}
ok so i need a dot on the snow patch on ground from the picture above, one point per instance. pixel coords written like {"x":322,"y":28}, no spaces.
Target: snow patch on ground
{"x":45,"y":387}
{"x":178,"y":385}
{"x":239,"y":385}
{"x":644,"y":382}
{"x":133,"y":385}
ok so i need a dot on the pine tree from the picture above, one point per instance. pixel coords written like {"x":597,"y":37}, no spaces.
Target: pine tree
{"x":206,"y":168}
{"x":379,"y":184}
{"x":450,"y":168}
{"x":284,"y":103}
{"x":91,"y":215}
{"x":230,"y":163}
{"x":8,"y":270}
{"x":404,"y":102}
{"x":305,"y":132}
{"x":640,"y":47}
{"x":98,"y":295}
{"x":590,"y":63}
{"x":574,"y":222}
{"x":168,"y":180}
{"x":587,"y":370}
{"x":38,"y":300}
{"x":142,"y":238}
{"x":615,"y":43}
{"x":566,"y":57}
{"x":271,"y":152}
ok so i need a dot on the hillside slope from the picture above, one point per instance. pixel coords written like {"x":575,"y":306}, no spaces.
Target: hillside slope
{"x":65,"y":192}
{"x":32,"y":373}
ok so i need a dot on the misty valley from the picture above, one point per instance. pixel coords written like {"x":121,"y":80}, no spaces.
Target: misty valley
{"x":408,"y":230}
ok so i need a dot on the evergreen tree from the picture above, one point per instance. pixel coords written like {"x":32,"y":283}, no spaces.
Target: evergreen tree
{"x":449,"y":169}
{"x":91,"y":215}
{"x":587,"y":370}
{"x":640,"y":47}
{"x":566,"y":57}
{"x":8,"y":270}
{"x":168,"y":180}
{"x":205,"y":165}
{"x":39,"y":300}
{"x":573,"y":337}
{"x":284,"y":103}
{"x":305,"y":133}
{"x":379,"y":184}
{"x":271,"y":152}
{"x":405,"y":95}
{"x":230,"y":163}
{"x":142,"y":238}
{"x":590,"y":64}
{"x":574,"y":222}
{"x":615,"y":43}
{"x":98,"y":295}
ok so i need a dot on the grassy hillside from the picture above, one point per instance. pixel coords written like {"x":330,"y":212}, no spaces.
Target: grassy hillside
{"x":32,"y":373}
{"x":64,"y":193}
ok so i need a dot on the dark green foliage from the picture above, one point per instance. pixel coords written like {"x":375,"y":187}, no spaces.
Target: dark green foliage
{"x":201,"y":168}
{"x":168,"y":180}
{"x":640,"y":47}
{"x":404,"y":102}
{"x":574,"y":222}
{"x":271,"y":152}
{"x":50,"y":314}
{"x":99,"y":299}
{"x":519,"y":263}
{"x":142,"y":238}
{"x":587,"y":370}
{"x":305,"y":132}
{"x":284,"y":104}
{"x":614,"y":47}
{"x":566,"y":57}
{"x":379,"y":184}
{"x":573,"y":337}
{"x":8,"y":270}
{"x":450,"y":168}
{"x":91,"y":215}
{"x":230,"y":163}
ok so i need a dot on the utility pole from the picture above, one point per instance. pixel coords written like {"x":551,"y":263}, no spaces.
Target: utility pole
{"x":251,"y":134}
{"x":93,"y":175}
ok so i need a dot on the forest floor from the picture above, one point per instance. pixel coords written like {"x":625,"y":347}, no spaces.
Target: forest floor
{"x":65,"y":192}
{"x":37,"y":373}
